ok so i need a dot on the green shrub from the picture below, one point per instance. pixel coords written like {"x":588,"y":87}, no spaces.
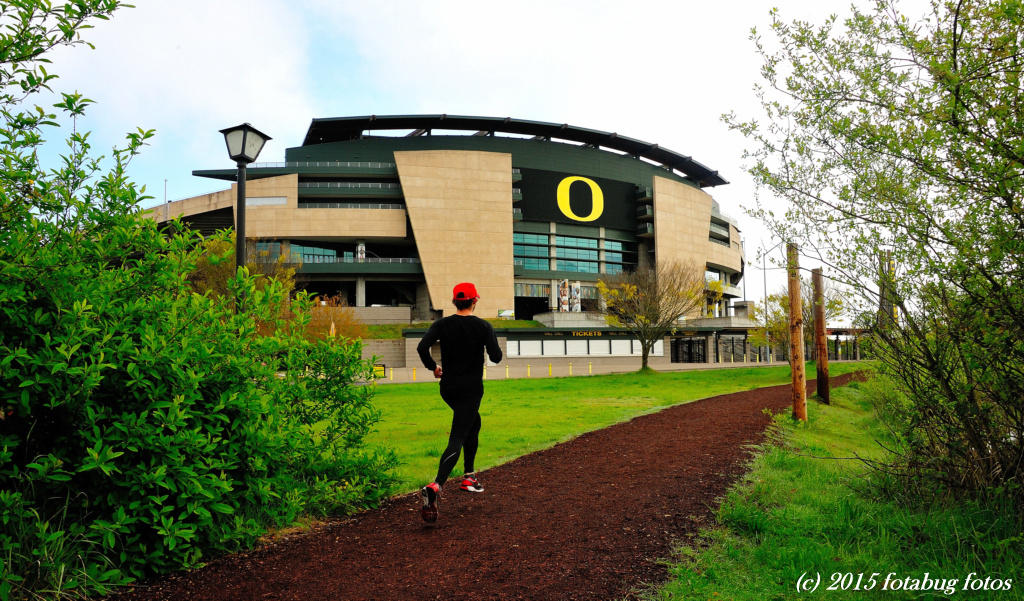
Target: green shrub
{"x":152,"y":427}
{"x":145,"y":427}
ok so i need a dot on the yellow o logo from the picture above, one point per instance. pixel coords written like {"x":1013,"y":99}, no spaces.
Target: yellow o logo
{"x":595,"y":191}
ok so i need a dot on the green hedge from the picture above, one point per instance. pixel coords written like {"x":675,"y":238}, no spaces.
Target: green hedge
{"x":146,"y":427}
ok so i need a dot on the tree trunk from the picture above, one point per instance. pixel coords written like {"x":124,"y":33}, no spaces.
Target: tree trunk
{"x":796,"y":335}
{"x":644,"y":353}
{"x":820,"y":342}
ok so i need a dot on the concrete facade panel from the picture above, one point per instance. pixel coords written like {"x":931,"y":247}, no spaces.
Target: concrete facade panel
{"x":463,"y":229}
{"x":682,"y":217}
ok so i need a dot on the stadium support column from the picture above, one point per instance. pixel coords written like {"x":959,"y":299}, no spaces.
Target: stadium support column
{"x":360,"y":292}
{"x":796,"y":334}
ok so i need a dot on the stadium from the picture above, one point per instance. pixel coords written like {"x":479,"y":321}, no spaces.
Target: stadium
{"x":390,"y":212}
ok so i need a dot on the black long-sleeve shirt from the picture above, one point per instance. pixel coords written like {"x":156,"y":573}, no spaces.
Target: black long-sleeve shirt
{"x":463,"y":340}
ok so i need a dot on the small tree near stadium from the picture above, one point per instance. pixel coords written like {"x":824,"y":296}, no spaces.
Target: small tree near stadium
{"x":649,"y":302}
{"x":776,"y":320}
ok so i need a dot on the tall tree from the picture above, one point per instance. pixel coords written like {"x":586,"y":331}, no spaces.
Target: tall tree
{"x":650,"y":302}
{"x":903,"y":137}
{"x":776,"y":320}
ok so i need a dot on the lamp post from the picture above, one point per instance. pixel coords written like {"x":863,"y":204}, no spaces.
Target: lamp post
{"x":764,"y":276}
{"x":244,"y":144}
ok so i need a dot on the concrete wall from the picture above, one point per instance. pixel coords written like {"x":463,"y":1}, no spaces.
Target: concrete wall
{"x":412,"y":358}
{"x":287,"y":220}
{"x":682,"y":216}
{"x":460,"y":208}
{"x":389,"y":352}
{"x":383,"y":315}
{"x":223,"y":199}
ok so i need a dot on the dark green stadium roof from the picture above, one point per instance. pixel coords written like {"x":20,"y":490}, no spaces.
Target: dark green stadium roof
{"x":338,"y":129}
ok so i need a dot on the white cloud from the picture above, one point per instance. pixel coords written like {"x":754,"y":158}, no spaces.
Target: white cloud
{"x":188,"y":69}
{"x":660,"y":71}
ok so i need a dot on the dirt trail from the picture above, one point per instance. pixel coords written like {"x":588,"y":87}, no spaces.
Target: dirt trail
{"x":586,"y":519}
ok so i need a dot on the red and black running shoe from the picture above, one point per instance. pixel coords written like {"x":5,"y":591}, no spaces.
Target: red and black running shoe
{"x":430,"y":494}
{"x":471,"y":483}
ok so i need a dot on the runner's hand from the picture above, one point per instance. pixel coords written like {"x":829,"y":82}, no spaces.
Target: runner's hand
{"x":437,"y":371}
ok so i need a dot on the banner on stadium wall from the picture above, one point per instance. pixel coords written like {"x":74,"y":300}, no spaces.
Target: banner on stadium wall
{"x":563,"y":296}
{"x":574,"y":298}
{"x":578,"y":200}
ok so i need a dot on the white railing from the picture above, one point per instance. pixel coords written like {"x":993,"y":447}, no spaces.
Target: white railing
{"x":319,"y":259}
{"x":352,"y":185}
{"x":368,"y":164}
{"x":350,"y":205}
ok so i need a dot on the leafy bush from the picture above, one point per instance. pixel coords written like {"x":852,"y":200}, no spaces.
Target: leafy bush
{"x":897,"y":141}
{"x":145,"y":427}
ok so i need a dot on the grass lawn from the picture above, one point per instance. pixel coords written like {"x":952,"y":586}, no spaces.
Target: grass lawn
{"x":798,"y":513}
{"x":522,"y":416}
{"x":394,"y":330}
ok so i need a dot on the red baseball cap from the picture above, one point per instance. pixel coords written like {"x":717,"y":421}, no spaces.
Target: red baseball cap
{"x":465,"y":291}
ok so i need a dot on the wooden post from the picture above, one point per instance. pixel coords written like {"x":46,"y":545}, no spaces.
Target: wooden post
{"x":820,"y":344}
{"x":796,"y":334}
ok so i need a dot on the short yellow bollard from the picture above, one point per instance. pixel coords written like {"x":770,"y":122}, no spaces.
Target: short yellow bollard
{"x":414,"y":374}
{"x":527,"y":370}
{"x":391,"y":376}
{"x":485,"y":372}
{"x":549,"y":370}
{"x":506,"y":371}
{"x":590,"y":368}
{"x":570,"y":368}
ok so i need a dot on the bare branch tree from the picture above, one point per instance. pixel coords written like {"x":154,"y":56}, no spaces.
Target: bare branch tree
{"x":650,"y":302}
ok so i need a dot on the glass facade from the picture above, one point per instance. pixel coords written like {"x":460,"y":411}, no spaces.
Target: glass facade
{"x":534,"y":264}
{"x":530,"y":251}
{"x":577,"y":266}
{"x":564,"y":241}
{"x":522,"y":250}
{"x":574,"y":254}
{"x":530,"y":238}
{"x":314,"y":254}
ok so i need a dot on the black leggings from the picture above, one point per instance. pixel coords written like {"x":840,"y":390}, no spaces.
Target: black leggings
{"x":464,"y":435}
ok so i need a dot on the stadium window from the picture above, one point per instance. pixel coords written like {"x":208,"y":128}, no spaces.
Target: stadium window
{"x":522,"y":250}
{"x":534,"y":264}
{"x":576,"y":253}
{"x":575,"y":242}
{"x":521,"y":238}
{"x":577,"y":266}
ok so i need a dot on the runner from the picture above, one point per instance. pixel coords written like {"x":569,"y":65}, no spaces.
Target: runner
{"x":463,"y":339}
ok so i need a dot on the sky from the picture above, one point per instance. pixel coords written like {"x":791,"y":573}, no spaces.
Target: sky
{"x":662,"y":72}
